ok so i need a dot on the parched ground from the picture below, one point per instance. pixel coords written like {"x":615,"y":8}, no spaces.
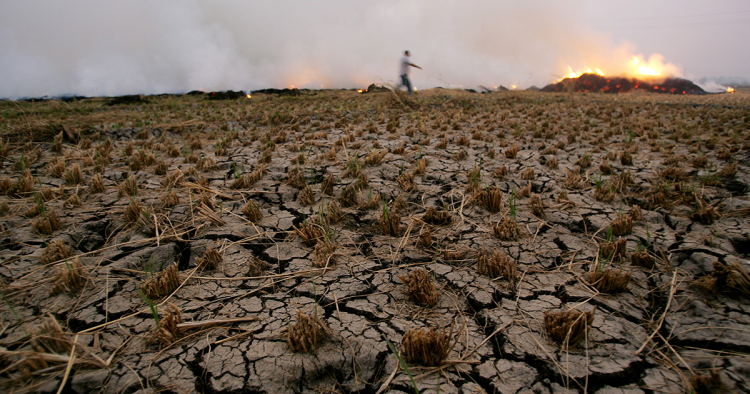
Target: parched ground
{"x":273,"y":239}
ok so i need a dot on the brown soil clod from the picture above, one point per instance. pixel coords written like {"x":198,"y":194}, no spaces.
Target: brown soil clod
{"x":427,"y":346}
{"x":568,"y":327}
{"x":420,"y":287}
{"x":307,"y":333}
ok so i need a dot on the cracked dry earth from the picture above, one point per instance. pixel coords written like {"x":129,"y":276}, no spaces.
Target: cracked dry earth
{"x":276,"y":209}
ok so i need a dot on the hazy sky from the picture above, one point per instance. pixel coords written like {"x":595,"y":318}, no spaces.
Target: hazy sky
{"x":103,"y":47}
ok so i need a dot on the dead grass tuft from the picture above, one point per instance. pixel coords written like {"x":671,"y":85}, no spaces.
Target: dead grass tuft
{"x":420,"y":287}
{"x":642,"y":258}
{"x":537,"y":206}
{"x":611,"y":250}
{"x":48,"y":223}
{"x":70,"y":277}
{"x":729,"y":171}
{"x":210,"y":260}
{"x":167,"y":332}
{"x":491,"y":199}
{"x":309,"y":232}
{"x":501,"y":172}
{"x":349,"y":196}
{"x":623,"y":225}
{"x":49,"y":337}
{"x":425,"y":238}
{"x":306,"y":196}
{"x":406,"y":182}
{"x":635,"y":213}
{"x":507,"y":229}
{"x":437,"y":218}
{"x":327,"y":186}
{"x":73,"y":201}
{"x":162,"y":283}
{"x":428,"y":347}
{"x":256,"y":266}
{"x":324,"y":252}
{"x":133,"y":212}
{"x":306,"y":334}
{"x":169,"y":199}
{"x":568,"y":327}
{"x":497,"y":265}
{"x":375,"y":157}
{"x":711,"y":383}
{"x":609,"y":281}
{"x":56,"y":251}
{"x":128,"y":187}
{"x":252,"y":212}
{"x":625,"y":158}
{"x":574,"y":180}
{"x":390,"y":221}
{"x":511,"y":152}
{"x":706,"y":214}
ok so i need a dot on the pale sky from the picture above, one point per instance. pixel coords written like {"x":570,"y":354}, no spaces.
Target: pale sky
{"x":106,"y":47}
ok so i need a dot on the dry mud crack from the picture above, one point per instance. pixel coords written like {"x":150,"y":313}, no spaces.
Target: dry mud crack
{"x":188,"y":245}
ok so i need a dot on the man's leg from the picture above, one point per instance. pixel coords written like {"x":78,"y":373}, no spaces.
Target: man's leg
{"x":404,"y":82}
{"x":408,"y":84}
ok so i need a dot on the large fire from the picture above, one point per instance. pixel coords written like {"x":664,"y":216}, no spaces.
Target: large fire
{"x":637,"y":67}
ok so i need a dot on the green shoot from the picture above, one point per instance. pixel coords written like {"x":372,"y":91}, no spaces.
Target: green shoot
{"x":403,"y":365}
{"x":151,"y":305}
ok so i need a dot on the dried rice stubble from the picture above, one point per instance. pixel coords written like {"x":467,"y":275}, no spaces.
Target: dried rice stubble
{"x":507,"y":229}
{"x":162,"y":283}
{"x":210,"y":260}
{"x":166,"y":332}
{"x":307,"y":333}
{"x":70,"y":277}
{"x":49,"y":337}
{"x":56,"y":251}
{"x":420,"y":287}
{"x":498,"y":265}
{"x":568,"y":327}
{"x":427,"y":346}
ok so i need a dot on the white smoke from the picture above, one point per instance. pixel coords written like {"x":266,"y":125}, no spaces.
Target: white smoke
{"x":104,"y":48}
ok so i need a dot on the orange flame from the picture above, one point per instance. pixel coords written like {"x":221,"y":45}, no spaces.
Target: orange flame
{"x":730,"y":90}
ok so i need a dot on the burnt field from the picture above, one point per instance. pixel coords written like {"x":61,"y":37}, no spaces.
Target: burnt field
{"x":337,"y":242}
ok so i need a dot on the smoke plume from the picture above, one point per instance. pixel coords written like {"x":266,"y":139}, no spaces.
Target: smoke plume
{"x":105,"y":48}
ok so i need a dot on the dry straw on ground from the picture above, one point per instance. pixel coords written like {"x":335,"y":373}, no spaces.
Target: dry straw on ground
{"x":307,"y":333}
{"x":162,"y":283}
{"x":427,"y":346}
{"x":420,"y":287}
{"x":568,"y":327}
{"x":497,"y":265}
